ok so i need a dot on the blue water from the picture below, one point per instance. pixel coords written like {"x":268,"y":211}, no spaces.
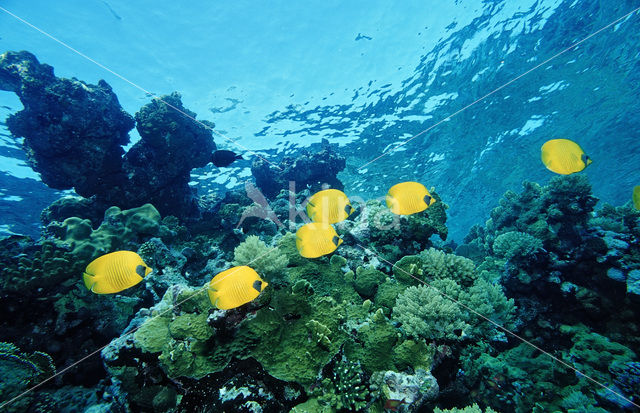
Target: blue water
{"x":366,"y":76}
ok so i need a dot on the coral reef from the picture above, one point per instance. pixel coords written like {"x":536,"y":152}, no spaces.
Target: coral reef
{"x":393,"y":236}
{"x":346,"y":388}
{"x":348,"y":332}
{"x":406,"y":392}
{"x":514,"y":245}
{"x":469,"y":409}
{"x":306,"y":170}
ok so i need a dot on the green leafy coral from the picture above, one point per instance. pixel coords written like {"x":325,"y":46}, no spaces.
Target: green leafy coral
{"x":182,"y":336}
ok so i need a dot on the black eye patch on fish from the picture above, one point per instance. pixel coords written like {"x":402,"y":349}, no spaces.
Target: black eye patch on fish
{"x":257,"y":285}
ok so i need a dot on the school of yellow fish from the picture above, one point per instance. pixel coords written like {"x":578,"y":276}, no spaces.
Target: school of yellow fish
{"x":236,"y":286}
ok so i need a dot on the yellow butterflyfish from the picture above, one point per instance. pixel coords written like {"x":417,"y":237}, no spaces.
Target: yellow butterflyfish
{"x":408,"y":198}
{"x":636,"y":197}
{"x":564,"y":157}
{"x":316,"y":239}
{"x":329,"y":206}
{"x":234,"y":287}
{"x":115,"y":272}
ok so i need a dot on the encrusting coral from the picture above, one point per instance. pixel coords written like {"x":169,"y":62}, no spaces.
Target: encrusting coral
{"x":119,"y":230}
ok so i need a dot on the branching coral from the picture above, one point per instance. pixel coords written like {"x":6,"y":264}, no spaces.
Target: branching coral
{"x":347,"y":388}
{"x":489,"y":300}
{"x":424,"y":313}
{"x":474,"y":408}
{"x":515,"y":245}
{"x":433,"y":264}
{"x":265,"y":260}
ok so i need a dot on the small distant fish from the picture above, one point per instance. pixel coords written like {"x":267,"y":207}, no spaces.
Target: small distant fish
{"x":330,"y":206}
{"x":115,"y":272}
{"x":113,"y":13}
{"x":316,"y":239}
{"x":636,"y":197}
{"x":408,"y":198}
{"x":224,"y":158}
{"x":564,"y":156}
{"x":361,"y":36}
{"x":234,"y":287}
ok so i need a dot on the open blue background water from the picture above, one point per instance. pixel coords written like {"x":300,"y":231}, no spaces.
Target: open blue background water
{"x":365,"y":74}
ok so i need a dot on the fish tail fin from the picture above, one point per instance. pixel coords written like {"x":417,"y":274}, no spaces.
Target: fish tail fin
{"x":239,"y":157}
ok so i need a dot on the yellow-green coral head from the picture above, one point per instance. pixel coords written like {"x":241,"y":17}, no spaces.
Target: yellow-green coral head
{"x":564,"y":156}
{"x":316,"y":239}
{"x":330,"y":206}
{"x":115,"y":272}
{"x":636,"y":197}
{"x":408,"y":198}
{"x":234,"y":287}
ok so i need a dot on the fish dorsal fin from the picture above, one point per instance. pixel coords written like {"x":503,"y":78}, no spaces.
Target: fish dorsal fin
{"x":257,"y":285}
{"x":141,"y":270}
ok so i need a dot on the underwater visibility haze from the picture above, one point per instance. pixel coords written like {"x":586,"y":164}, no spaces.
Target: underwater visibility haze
{"x":320,"y":206}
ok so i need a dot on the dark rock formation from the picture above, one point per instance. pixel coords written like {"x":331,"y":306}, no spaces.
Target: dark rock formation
{"x":73,"y":131}
{"x":74,"y":134}
{"x":159,"y":164}
{"x":312,"y":170}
